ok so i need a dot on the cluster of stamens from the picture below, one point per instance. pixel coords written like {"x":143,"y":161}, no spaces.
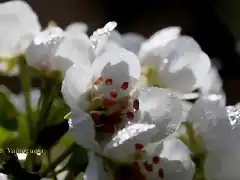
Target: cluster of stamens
{"x":110,"y":110}
{"x":147,"y":167}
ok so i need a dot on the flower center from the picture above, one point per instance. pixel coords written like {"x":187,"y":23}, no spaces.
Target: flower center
{"x":109,"y":110}
{"x":152,"y":77}
{"x":140,"y":168}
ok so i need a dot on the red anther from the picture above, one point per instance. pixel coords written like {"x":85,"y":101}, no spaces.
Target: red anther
{"x":156,"y":159}
{"x":161,"y":173}
{"x":139,"y":146}
{"x":108,"y":102}
{"x":95,"y":116}
{"x":148,"y":167}
{"x":124,"y":85}
{"x":113,"y":94}
{"x":136,"y":104}
{"x":108,"y":82}
{"x":130,"y":115}
{"x":98,"y":81}
{"x":135,"y":166}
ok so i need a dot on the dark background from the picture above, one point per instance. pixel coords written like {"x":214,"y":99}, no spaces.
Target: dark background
{"x":215,"y":24}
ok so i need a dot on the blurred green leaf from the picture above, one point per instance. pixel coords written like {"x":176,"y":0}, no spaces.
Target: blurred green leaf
{"x":6,"y":135}
{"x":10,"y":62}
{"x":8,"y":113}
{"x":58,"y":111}
{"x":22,"y":139}
{"x":68,"y":116}
{"x":66,"y":140}
{"x":78,"y":161}
{"x":80,"y":176}
{"x":51,"y":135}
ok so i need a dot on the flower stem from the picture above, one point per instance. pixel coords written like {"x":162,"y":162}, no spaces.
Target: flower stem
{"x":25,"y":79}
{"x":49,"y":91}
{"x":62,"y":157}
{"x":49,"y":162}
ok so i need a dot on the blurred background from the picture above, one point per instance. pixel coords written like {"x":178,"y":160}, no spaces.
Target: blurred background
{"x":215,"y":24}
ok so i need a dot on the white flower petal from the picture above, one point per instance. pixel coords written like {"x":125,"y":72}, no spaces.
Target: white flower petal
{"x":76,"y":28}
{"x":40,"y":52}
{"x":101,"y":36}
{"x":185,"y":72}
{"x":224,"y":164}
{"x":162,"y":108}
{"x":159,"y":39}
{"x":213,"y":82}
{"x":82,"y":130}
{"x":17,"y":19}
{"x":111,"y":46}
{"x":116,"y":37}
{"x":74,"y":49}
{"x":210,"y":120}
{"x":95,"y":170}
{"x":132,"y":42}
{"x":25,"y":41}
{"x":175,"y":160}
{"x":75,"y":86}
{"x":3,"y":176}
{"x":180,"y":46}
{"x":119,"y":65}
{"x":200,"y":68}
{"x":122,"y":146}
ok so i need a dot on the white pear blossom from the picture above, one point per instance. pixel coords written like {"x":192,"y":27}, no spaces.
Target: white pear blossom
{"x":3,"y":176}
{"x":76,"y":28}
{"x":219,"y":128}
{"x":104,"y":100}
{"x":54,"y":49}
{"x":177,"y":62}
{"x":108,"y":38}
{"x":168,"y":160}
{"x":19,"y":23}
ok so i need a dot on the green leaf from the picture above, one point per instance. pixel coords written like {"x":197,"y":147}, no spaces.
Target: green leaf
{"x":66,"y":140}
{"x":10,"y":62}
{"x":80,"y":176}
{"x":6,"y":135}
{"x":78,"y":160}
{"x":68,"y":116}
{"x":58,"y":110}
{"x":22,"y":138}
{"x":8,"y":113}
